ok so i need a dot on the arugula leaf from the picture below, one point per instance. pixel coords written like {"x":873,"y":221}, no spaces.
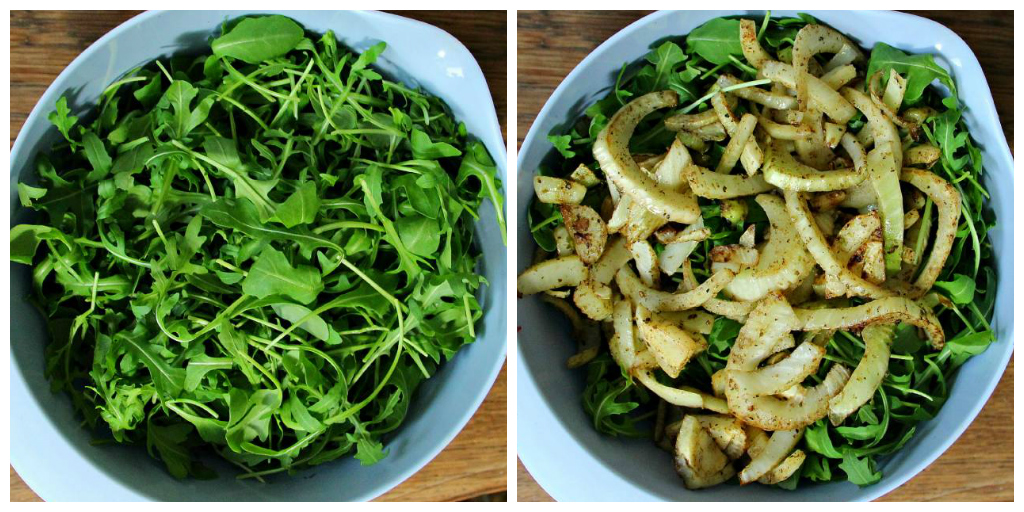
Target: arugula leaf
{"x":963,"y":347}
{"x":420,"y":234}
{"x":960,"y":289}
{"x":477,"y":163}
{"x":168,"y":380}
{"x":611,"y":399}
{"x":199,"y":366}
{"x":62,"y":119}
{"x":255,"y":40}
{"x":178,"y":97}
{"x":906,"y":340}
{"x":543,"y":218}
{"x":311,"y":322}
{"x":665,"y":59}
{"x":683,"y":84}
{"x":149,"y":94}
{"x":300,"y":208}
{"x":273,"y":274}
{"x":920,"y":70}
{"x":27,"y":194}
{"x":366,"y":58}
{"x":369,"y":451}
{"x":859,"y":433}
{"x":860,"y":471}
{"x":949,"y":136}
{"x":132,"y":161}
{"x":168,"y":441}
{"x":242,"y":216}
{"x":723,"y":333}
{"x":819,"y":442}
{"x":716,"y":40}
{"x":777,"y":36}
{"x":250,"y":416}
{"x":816,"y":468}
{"x":807,"y":18}
{"x":296,"y":415}
{"x":562,"y":143}
{"x":122,"y":405}
{"x":97,"y":155}
{"x":424,"y":149}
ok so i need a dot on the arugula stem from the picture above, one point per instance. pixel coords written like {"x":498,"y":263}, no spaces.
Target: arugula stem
{"x":743,"y":66}
{"x":195,"y":403}
{"x":230,"y":266}
{"x":348,"y":224}
{"x":111,"y":249}
{"x":242,"y":108}
{"x":367,"y":131}
{"x":715,"y":90}
{"x":383,"y":382}
{"x":764,"y":25}
{"x":397,"y":167}
{"x":713,"y":70}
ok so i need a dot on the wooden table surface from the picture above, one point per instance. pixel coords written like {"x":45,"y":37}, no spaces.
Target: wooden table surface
{"x":979,"y":466}
{"x":474,"y":465}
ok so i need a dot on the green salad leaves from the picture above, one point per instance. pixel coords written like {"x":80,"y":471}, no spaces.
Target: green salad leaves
{"x":919,"y":379}
{"x":258,"y":253}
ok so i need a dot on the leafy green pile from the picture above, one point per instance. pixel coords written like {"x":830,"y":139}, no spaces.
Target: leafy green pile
{"x":919,"y":379}
{"x":259,"y":252}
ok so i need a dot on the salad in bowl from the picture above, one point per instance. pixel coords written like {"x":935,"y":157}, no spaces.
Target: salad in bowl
{"x":772,"y":245}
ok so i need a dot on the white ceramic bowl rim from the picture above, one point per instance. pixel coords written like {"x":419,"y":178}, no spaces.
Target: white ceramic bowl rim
{"x":549,"y":429}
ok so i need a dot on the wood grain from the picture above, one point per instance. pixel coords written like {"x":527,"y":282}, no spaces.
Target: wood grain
{"x":43,"y":43}
{"x":979,"y":466}
{"x":473,"y":465}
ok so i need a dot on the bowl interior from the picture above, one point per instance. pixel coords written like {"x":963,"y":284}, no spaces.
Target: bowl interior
{"x":49,"y":448}
{"x":606,"y":468}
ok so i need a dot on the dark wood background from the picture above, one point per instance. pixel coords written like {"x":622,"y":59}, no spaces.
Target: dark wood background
{"x":979,"y":466}
{"x":475,"y":465}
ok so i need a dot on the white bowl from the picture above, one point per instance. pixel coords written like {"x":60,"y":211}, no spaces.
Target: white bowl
{"x":556,"y":440}
{"x":51,"y":451}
